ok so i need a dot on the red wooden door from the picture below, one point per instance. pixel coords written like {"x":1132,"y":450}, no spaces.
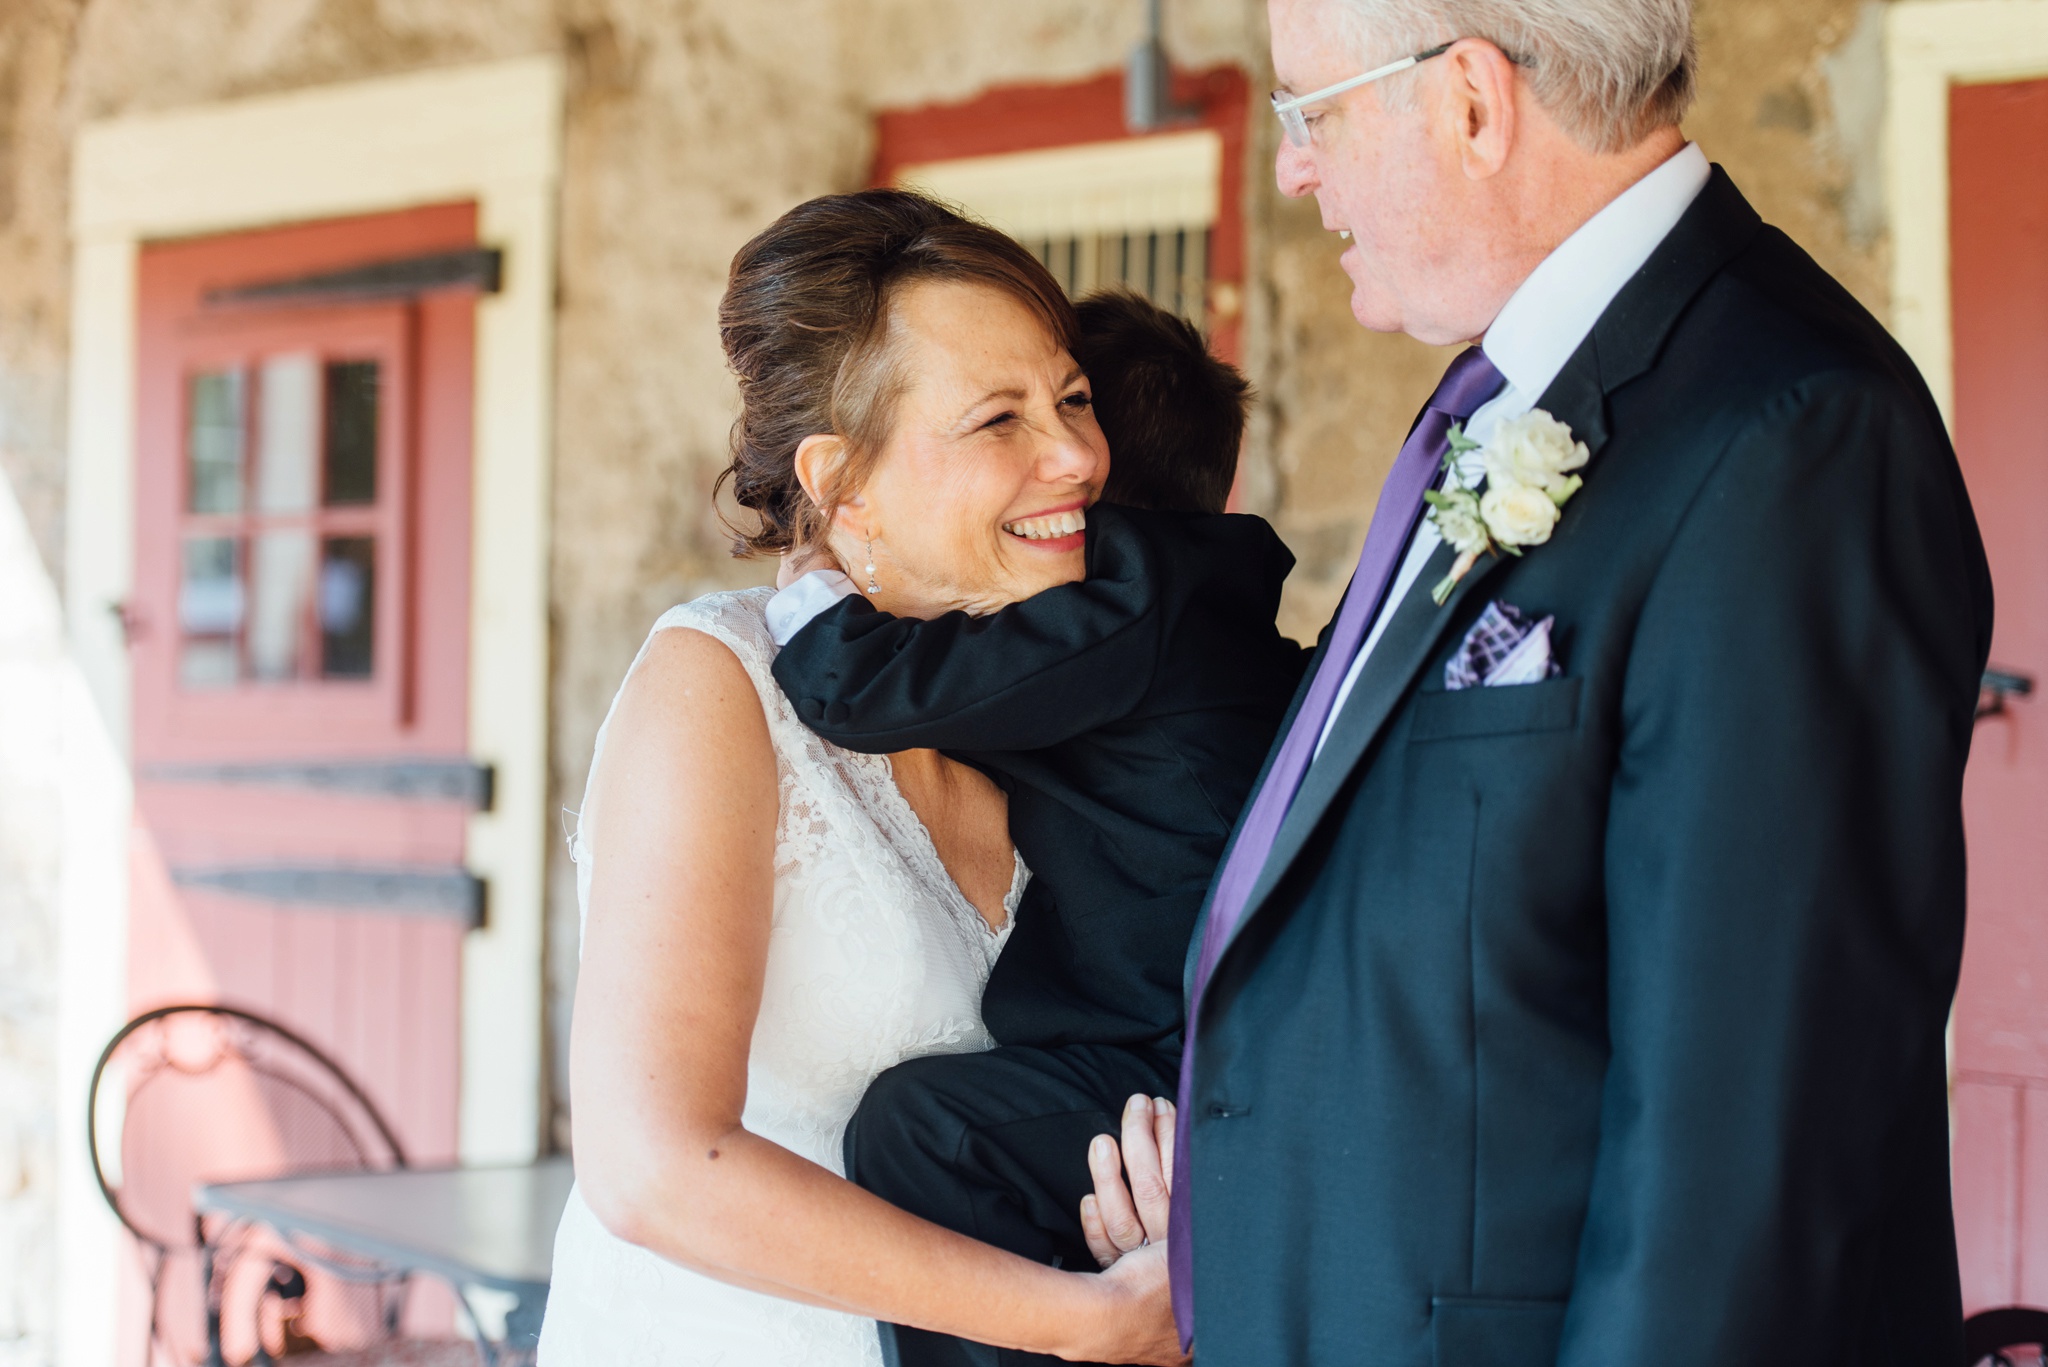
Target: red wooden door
{"x":1999,"y":238}
{"x":300,"y":642}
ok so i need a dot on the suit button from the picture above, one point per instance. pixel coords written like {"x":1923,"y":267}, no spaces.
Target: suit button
{"x":837,"y":712}
{"x":1225,"y":1110}
{"x":811,"y":709}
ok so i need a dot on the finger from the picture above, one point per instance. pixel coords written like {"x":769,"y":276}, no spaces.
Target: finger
{"x":1106,"y":1253}
{"x":1119,"y":1217}
{"x":1163,"y":1118}
{"x":1141,"y":1164}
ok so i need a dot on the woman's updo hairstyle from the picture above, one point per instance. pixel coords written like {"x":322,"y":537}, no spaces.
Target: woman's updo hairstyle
{"x":805,"y":325}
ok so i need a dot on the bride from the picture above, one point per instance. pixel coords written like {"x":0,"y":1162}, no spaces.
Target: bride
{"x":769,"y":922}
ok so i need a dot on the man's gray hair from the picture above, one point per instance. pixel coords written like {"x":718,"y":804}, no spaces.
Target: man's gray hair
{"x":1609,"y":71}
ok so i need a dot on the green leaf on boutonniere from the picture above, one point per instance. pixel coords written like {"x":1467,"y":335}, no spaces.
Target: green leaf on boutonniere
{"x":1460,"y":443}
{"x":1562,"y":495}
{"x":1455,"y":514}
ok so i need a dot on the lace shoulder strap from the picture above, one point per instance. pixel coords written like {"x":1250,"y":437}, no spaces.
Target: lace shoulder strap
{"x":738,"y":619}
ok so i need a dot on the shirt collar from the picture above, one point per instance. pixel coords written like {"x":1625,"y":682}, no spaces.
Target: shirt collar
{"x":1544,"y":321}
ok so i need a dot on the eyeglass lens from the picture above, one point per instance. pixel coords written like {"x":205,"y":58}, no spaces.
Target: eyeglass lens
{"x":1291,"y":118}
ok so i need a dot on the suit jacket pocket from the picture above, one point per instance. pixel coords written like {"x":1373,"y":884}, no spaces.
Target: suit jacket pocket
{"x":1552,"y":705}
{"x":1471,"y":1331}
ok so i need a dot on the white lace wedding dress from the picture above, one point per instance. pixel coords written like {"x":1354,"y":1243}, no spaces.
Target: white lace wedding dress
{"x":875,"y":957}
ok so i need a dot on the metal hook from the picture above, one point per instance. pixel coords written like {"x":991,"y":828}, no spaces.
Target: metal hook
{"x":1998,"y":686}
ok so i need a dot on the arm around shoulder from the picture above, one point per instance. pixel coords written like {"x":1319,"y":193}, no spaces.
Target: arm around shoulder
{"x":1032,"y":674}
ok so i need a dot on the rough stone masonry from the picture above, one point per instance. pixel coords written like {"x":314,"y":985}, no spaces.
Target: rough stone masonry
{"x":690,"y":124}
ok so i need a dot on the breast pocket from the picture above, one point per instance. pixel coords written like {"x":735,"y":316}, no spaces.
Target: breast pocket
{"x":1552,"y":705}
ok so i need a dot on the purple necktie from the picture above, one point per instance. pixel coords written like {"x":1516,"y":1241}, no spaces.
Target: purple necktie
{"x":1470,"y":382}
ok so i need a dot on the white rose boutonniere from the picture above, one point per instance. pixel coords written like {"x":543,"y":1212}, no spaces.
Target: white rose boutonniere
{"x":1538,"y":451}
{"x":1529,"y":478}
{"x":1518,"y":515}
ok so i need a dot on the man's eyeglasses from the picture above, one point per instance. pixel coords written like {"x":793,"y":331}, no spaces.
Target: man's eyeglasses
{"x":1289,"y":107}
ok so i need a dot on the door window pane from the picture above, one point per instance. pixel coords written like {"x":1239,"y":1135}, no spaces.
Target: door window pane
{"x":281,"y":594}
{"x":213,"y":442}
{"x":209,"y":611}
{"x":351,"y":476}
{"x":288,"y":433}
{"x":348,"y":607}
{"x":280,"y":590}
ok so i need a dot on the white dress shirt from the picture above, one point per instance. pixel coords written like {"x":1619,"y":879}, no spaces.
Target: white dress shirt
{"x":1540,"y":327}
{"x":792,"y":609}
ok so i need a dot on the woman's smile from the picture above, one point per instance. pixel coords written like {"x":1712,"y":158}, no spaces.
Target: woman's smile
{"x":1060,"y":530}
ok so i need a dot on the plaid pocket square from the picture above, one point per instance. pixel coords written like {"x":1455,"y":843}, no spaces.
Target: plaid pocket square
{"x":1503,"y":647}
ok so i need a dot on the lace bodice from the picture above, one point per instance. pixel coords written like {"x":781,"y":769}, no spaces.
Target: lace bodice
{"x":875,"y":956}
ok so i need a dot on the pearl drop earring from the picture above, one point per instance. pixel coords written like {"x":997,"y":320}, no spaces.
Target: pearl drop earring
{"x":873,"y":587}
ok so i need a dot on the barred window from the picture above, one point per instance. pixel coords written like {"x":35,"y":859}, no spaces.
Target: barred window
{"x":1137,"y":212}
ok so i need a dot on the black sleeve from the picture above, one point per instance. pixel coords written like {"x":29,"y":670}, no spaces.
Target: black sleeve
{"x":1036,"y":673}
{"x":1784,"y":874}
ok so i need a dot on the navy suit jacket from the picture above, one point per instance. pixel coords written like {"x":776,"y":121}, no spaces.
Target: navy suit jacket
{"x":1600,"y":1020}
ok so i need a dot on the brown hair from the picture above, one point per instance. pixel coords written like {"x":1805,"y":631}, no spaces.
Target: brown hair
{"x":1172,"y":413}
{"x":805,"y":325}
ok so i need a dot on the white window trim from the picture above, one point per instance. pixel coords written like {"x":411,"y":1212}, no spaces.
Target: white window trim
{"x":1931,"y":45}
{"x":488,"y":133}
{"x":1129,"y":185}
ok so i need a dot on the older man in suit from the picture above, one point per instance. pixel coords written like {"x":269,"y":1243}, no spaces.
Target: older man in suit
{"x":1574,"y":989}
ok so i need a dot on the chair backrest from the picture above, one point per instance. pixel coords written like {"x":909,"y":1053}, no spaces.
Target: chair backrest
{"x":1988,"y":1333}
{"x":191,"y":1094}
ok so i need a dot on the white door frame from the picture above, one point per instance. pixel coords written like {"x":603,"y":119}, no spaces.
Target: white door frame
{"x":489,"y":133}
{"x":1931,"y":45}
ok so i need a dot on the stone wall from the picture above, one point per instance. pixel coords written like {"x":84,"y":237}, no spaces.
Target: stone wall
{"x":691,"y":123}
{"x":721,"y":119}
{"x":31,"y":845}
{"x":1776,"y":74}
{"x":656,"y":137}
{"x":35,"y":153}
{"x":34,"y":41}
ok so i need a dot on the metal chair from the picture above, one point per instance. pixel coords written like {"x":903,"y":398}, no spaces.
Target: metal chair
{"x":191,"y":1094}
{"x":1988,"y":1333}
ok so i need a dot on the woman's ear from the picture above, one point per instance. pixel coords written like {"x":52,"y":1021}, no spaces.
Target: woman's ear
{"x":817,"y":462}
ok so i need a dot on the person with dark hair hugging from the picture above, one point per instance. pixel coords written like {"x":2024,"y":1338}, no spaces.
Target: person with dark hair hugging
{"x":1125,"y":716}
{"x":1172,"y":413}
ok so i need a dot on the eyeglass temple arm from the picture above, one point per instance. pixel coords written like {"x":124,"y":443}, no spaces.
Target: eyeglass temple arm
{"x":1377,"y":73}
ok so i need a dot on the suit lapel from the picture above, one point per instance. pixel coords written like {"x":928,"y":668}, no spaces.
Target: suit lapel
{"x":1411,"y":638}
{"x":1622,"y":345}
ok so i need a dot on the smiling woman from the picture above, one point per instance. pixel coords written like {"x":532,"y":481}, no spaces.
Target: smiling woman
{"x":977,"y":496}
{"x":811,"y":325}
{"x":910,"y":402}
{"x":771,"y":921}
